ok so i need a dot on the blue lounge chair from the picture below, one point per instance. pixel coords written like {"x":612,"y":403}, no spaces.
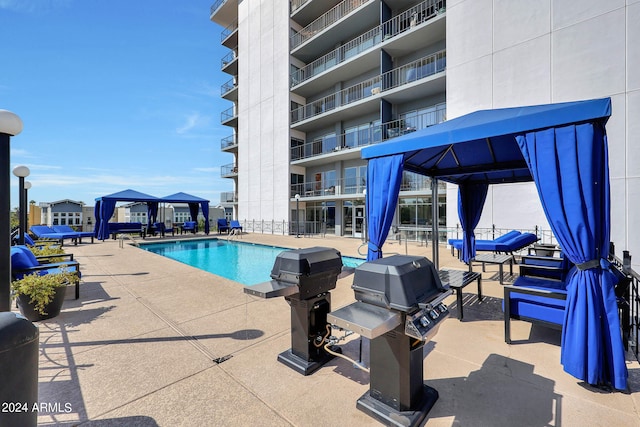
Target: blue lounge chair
{"x":65,"y":229}
{"x":236,"y":227}
{"x":457,"y":243}
{"x":502,"y":244}
{"x":44,"y":232}
{"x":24,"y":262}
{"x":191,"y":226}
{"x":222,"y":225}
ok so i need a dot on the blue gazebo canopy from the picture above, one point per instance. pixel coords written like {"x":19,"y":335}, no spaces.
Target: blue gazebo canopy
{"x":106,"y":205}
{"x":193,"y":203}
{"x":563,"y":149}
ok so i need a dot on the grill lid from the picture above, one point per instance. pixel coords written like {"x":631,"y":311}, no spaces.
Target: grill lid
{"x":399,"y":282}
{"x":306,"y":262}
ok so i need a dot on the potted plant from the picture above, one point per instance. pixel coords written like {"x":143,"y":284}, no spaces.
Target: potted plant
{"x":39,"y":296}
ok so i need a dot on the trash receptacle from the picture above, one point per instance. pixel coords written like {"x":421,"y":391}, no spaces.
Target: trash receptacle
{"x":18,"y":371}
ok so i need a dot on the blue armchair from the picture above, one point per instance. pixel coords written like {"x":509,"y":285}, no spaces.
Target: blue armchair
{"x":236,"y":228}
{"x":223,"y":226}
{"x":191,"y":226}
{"x":24,"y":262}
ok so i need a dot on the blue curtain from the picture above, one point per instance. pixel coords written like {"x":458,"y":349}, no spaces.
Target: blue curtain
{"x":152,"y":213}
{"x":570,"y":168}
{"x":471,"y":197}
{"x":194,"y":208}
{"x":96,"y":217}
{"x":205,"y":212}
{"x":107,"y":207}
{"x":384,"y":176}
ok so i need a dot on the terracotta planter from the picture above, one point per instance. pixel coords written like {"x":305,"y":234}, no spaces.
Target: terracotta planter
{"x":52,"y":310}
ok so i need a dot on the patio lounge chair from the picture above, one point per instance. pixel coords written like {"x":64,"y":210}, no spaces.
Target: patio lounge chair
{"x":44,"y":232}
{"x":191,"y":226}
{"x":24,"y":262}
{"x":507,"y":246}
{"x":236,"y":228}
{"x":222,"y":225}
{"x":68,"y":230}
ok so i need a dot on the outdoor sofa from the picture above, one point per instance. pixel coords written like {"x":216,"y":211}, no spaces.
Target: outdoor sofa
{"x":223,"y":227}
{"x":116,"y":228}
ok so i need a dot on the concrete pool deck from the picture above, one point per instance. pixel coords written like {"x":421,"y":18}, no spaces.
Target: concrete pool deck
{"x":153,"y":342}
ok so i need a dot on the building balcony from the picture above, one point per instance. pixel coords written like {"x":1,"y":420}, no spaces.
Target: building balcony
{"x":229,"y":143}
{"x":349,"y":188}
{"x":229,"y":36}
{"x":228,"y":197}
{"x":420,"y":78}
{"x":349,"y":17}
{"x":229,"y":117}
{"x":224,"y":12}
{"x":229,"y":90}
{"x":229,"y":63}
{"x":306,"y":11}
{"x":347,"y":145}
{"x":229,"y":171}
{"x":360,"y":54}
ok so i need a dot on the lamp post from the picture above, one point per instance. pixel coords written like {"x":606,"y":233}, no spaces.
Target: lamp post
{"x":10,"y":125}
{"x":22,"y":172}
{"x":27,"y":187}
{"x":297,"y":197}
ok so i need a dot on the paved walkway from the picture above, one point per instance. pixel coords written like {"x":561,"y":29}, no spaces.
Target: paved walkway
{"x":153,"y":342}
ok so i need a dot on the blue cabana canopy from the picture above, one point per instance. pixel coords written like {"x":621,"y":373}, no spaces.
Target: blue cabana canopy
{"x":194,"y":202}
{"x":563,"y":149}
{"x":106,"y":205}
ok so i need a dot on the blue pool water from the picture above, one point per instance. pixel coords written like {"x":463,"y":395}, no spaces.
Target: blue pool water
{"x":246,"y":263}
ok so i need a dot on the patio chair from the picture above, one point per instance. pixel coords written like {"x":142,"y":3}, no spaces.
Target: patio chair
{"x":236,"y":228}
{"x":159,"y":227}
{"x":24,"y":262}
{"x":222,"y":225}
{"x":190,"y":226}
{"x":65,"y":229}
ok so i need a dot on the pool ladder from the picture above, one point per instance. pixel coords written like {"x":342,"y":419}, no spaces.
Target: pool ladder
{"x":121,"y":238}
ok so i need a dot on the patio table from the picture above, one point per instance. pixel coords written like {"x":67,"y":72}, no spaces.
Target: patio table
{"x":457,"y":280}
{"x":491,"y":258}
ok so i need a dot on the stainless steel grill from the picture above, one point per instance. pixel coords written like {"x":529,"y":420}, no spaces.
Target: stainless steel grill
{"x":305,"y":278}
{"x":399,"y":306}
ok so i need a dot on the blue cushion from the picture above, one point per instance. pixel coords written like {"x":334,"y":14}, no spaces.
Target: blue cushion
{"x":28,"y":240}
{"x":535,"y":306}
{"x":22,"y":258}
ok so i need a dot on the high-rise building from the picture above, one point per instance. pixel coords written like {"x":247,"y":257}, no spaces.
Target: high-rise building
{"x":313,"y":81}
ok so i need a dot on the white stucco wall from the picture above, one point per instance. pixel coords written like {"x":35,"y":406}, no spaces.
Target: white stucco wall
{"x":506,"y":53}
{"x":263,"y":110}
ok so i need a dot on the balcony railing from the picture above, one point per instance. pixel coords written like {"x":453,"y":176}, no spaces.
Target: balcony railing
{"x":355,"y":186}
{"x":415,"y":16}
{"x":228,"y":197}
{"x":370,"y":135}
{"x":228,"y":31}
{"x":228,"y":142}
{"x":332,"y":16}
{"x":405,"y":74}
{"x":297,"y":4}
{"x":228,"y":86}
{"x":228,"y":114}
{"x":217,"y":5}
{"x":228,"y":170}
{"x":228,"y":59}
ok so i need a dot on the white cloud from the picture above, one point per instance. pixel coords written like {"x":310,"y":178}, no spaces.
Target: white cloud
{"x":33,"y":6}
{"x":192,"y":121}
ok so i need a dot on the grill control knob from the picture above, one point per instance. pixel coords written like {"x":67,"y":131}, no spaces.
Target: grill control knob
{"x":433,"y":314}
{"x":425,"y":322}
{"x":442,"y":308}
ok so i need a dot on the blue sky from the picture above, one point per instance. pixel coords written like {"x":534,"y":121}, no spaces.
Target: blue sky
{"x":113,"y":95}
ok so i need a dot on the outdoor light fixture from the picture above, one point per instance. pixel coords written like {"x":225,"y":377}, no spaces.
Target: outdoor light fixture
{"x":22,"y":172}
{"x":297,"y":197}
{"x":10,"y":125}
{"x":27,"y":187}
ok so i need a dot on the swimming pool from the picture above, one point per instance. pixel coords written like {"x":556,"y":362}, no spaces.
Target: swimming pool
{"x":246,"y":263}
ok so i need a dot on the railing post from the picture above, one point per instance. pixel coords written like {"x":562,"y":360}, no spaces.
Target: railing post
{"x":626,"y":261}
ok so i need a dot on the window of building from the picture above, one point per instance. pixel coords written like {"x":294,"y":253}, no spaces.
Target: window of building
{"x":297,"y":149}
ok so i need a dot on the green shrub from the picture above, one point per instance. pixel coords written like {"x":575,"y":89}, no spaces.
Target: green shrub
{"x":41,"y":288}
